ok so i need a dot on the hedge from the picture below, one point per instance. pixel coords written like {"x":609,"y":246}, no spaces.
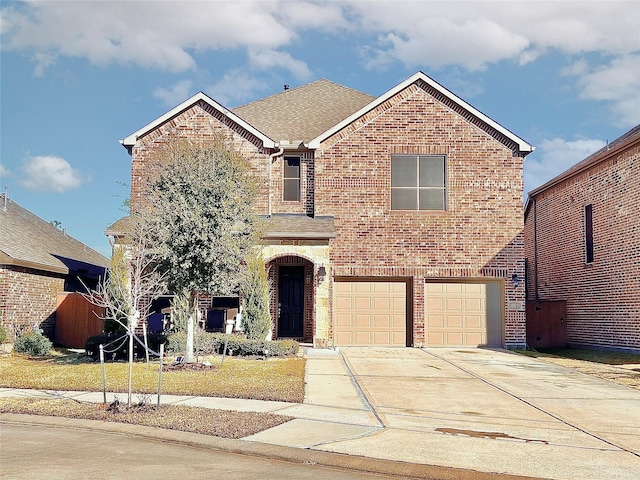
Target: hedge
{"x":206,"y":343}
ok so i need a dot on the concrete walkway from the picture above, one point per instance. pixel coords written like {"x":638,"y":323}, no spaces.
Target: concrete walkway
{"x":436,"y":413}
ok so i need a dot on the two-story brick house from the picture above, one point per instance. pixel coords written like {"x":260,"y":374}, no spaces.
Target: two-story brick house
{"x":582,"y":245}
{"x":394,"y":220}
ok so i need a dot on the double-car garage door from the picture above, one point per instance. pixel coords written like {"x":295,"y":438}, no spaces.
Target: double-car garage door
{"x":369,"y":312}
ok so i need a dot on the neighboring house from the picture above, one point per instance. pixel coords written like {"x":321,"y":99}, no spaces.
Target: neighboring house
{"x":394,"y":220}
{"x":37,"y":262}
{"x":582,"y":245}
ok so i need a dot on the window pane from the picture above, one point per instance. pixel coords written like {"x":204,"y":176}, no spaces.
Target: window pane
{"x":404,"y":199}
{"x":291,"y":190}
{"x":291,"y":167}
{"x":588,"y":232}
{"x":404,"y":171}
{"x":432,"y":171}
{"x":431,"y":199}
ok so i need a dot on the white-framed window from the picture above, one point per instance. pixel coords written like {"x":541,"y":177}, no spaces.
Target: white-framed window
{"x":291,"y":180}
{"x":418,"y":182}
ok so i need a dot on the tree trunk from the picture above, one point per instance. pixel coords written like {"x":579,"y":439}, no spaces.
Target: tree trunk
{"x":130,"y":366}
{"x":188,"y":355}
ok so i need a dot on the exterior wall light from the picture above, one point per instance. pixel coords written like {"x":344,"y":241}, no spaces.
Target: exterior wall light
{"x":322,"y":272}
{"x":515,"y":280}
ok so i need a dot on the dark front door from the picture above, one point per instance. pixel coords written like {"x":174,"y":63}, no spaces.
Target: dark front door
{"x":291,"y":302}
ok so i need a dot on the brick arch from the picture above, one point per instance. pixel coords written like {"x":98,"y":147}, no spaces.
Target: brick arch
{"x":309,"y":290}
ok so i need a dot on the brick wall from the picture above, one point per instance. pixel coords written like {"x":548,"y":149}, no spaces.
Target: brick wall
{"x":28,"y":297}
{"x":196,"y":123}
{"x":480,"y":233}
{"x":603,"y":298}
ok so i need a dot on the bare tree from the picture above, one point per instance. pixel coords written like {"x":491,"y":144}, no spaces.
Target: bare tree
{"x":135,"y":281}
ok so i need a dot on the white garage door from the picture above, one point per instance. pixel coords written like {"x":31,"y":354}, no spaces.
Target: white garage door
{"x":463,"y":314}
{"x":369,"y":313}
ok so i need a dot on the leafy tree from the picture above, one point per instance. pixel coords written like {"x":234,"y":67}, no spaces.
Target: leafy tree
{"x":200,"y":201}
{"x":256,"y":318}
{"x":180,"y":309}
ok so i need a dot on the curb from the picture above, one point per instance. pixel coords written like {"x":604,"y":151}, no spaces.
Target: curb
{"x":265,"y":450}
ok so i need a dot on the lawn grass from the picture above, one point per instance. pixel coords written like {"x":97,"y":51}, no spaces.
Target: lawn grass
{"x":608,"y":357}
{"x":619,"y":367}
{"x":279,"y":379}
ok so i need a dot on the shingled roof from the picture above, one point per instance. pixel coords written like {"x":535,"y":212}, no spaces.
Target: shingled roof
{"x":301,"y":114}
{"x":26,"y":240}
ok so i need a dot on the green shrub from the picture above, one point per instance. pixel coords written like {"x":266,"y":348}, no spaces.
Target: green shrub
{"x":32,"y":343}
{"x":206,"y":343}
{"x":3,"y":335}
{"x":256,"y":319}
{"x":116,"y":346}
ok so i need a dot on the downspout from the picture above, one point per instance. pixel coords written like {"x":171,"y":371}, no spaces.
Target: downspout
{"x":535,"y":245}
{"x":271,"y":158}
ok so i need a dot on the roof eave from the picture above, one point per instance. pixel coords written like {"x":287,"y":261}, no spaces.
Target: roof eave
{"x":298,"y":236}
{"x":524,"y":147}
{"x":573,"y":171}
{"x":16,"y":262}
{"x":130,"y":141}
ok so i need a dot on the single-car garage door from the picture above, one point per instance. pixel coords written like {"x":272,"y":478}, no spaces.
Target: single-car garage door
{"x":462,"y":314}
{"x":370,"y":313}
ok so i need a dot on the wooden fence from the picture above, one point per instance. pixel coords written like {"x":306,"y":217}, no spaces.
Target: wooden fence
{"x":547,"y":324}
{"x":76,"y":320}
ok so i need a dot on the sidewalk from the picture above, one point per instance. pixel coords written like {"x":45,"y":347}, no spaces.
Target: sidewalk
{"x":410,"y":412}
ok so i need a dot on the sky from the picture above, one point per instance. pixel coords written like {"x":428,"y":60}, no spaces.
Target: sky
{"x":78,"y":76}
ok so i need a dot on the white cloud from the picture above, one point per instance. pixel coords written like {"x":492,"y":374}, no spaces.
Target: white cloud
{"x":265,"y":59}
{"x":617,"y":83}
{"x":51,"y":174}
{"x":235,"y":87}
{"x":4,"y":171}
{"x":553,"y":157}
{"x":176,"y":95}
{"x":474,"y":34}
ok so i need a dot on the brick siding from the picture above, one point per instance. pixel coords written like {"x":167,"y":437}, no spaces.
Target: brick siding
{"x":603,"y":298}
{"x":478,"y":236}
{"x":28,"y":297}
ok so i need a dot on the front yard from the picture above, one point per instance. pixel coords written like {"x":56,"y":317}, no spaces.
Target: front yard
{"x":279,"y":379}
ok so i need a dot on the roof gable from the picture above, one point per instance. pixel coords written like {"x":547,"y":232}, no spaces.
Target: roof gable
{"x":300,"y":114}
{"x":455,"y":102}
{"x":29,"y":241}
{"x":129,"y":141}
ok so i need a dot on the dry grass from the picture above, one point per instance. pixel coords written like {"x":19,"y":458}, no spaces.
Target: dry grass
{"x":220,"y":423}
{"x":618,"y":367}
{"x":280,"y":379}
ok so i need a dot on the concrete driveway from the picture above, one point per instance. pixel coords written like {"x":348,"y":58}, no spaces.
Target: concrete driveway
{"x":493,"y":410}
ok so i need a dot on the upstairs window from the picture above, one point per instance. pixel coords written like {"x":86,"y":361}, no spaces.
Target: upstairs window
{"x":418,"y":182}
{"x":291,"y":186}
{"x":588,"y":233}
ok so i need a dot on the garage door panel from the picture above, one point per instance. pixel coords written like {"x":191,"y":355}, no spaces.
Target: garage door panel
{"x":377,"y":311}
{"x":463,"y":314}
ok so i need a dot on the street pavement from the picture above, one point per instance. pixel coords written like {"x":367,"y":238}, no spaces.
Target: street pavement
{"x":454,"y":413}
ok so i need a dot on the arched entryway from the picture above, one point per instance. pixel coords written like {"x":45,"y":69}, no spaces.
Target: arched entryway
{"x":291,"y":284}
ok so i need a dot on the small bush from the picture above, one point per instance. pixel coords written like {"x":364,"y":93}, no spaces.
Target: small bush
{"x":116,"y":346}
{"x":206,"y":343}
{"x":33,"y":343}
{"x":3,"y":335}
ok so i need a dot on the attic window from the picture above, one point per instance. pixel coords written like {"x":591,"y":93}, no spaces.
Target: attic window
{"x":418,"y":182}
{"x":291,"y":186}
